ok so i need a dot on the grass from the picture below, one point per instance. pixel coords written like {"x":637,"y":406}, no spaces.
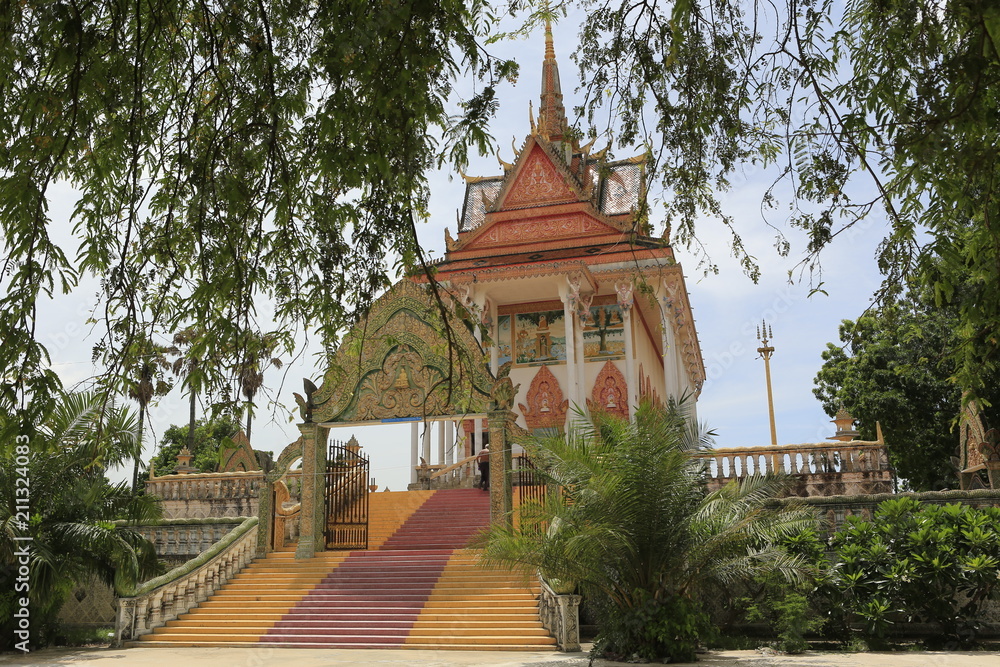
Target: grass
{"x":85,"y":636}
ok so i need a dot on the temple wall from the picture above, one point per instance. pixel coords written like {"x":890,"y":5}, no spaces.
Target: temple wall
{"x":647,"y":355}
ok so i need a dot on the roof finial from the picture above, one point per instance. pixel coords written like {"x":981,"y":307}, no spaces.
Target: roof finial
{"x":550,"y":49}
{"x":551,"y":113}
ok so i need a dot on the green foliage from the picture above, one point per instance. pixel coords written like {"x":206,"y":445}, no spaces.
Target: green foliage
{"x":212,"y":440}
{"x":79,"y":523}
{"x":895,"y":366}
{"x":862,"y":111}
{"x":792,"y":615}
{"x":790,"y":607}
{"x":934,"y":564}
{"x":636,"y":530}
{"x":224,"y":154}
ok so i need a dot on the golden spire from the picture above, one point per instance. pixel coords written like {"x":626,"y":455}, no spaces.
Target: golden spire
{"x":551,"y":114}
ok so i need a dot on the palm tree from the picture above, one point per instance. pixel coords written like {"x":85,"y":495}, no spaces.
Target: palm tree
{"x":256,"y":357}
{"x":146,"y":364}
{"x":80,"y":524}
{"x":634,"y":528}
{"x":189,"y":347}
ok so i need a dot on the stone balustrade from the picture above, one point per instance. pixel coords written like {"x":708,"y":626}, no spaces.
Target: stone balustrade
{"x":450,"y":477}
{"x":208,"y":495}
{"x":166,"y":597}
{"x":821,"y":469}
{"x":179,"y":540}
{"x":560,"y":614}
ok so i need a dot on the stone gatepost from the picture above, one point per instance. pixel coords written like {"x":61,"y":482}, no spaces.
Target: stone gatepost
{"x":313,"y":515}
{"x":501,"y":493}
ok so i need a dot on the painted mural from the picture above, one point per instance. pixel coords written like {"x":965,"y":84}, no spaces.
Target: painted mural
{"x":503,"y":339}
{"x":539,"y":337}
{"x":604,"y":333}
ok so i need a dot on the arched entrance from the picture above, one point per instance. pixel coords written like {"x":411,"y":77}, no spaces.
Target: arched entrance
{"x":411,"y":359}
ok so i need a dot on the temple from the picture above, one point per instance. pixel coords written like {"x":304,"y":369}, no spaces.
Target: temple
{"x":553,"y":302}
{"x":554,"y":260}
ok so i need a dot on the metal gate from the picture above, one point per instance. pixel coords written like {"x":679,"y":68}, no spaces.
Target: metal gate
{"x":530,"y":486}
{"x":346,"y":497}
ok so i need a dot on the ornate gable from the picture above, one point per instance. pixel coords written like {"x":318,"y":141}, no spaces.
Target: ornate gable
{"x":242,"y":458}
{"x":398,"y":365}
{"x":537,"y":182}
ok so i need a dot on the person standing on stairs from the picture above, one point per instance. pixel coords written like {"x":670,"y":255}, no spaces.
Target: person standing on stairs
{"x":484,"y":468}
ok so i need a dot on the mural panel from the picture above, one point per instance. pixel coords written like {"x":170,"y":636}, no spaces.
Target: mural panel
{"x":503,"y":339}
{"x":539,"y":337}
{"x":536,"y":335}
{"x":604,"y":333}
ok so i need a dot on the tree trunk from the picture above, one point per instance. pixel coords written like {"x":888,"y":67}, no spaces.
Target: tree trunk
{"x":194,"y":403}
{"x":249,"y":419}
{"x":138,"y":453}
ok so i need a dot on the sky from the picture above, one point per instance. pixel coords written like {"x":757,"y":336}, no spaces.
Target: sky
{"x":727,"y":307}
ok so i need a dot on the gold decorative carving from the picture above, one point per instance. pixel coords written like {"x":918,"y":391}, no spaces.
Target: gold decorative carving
{"x":972,"y":436}
{"x":610,"y":393}
{"x":400,"y":389}
{"x":546,"y":407}
{"x":504,"y":389}
{"x":538,"y":182}
{"x":397,"y":363}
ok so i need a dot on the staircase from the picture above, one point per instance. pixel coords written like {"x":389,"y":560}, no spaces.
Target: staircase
{"x":418,"y":587}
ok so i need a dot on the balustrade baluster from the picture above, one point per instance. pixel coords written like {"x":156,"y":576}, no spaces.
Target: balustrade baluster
{"x":155,"y":611}
{"x":141,"y":617}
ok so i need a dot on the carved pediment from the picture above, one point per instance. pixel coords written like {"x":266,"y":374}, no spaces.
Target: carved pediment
{"x":533,"y":230}
{"x":610,"y":393}
{"x":242,"y":458}
{"x":546,"y":407}
{"x":537,"y":182}
{"x":397,"y":364}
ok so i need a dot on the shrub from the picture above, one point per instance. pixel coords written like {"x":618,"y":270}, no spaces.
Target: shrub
{"x":927,"y":563}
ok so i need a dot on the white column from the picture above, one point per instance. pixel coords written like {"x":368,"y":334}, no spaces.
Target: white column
{"x":426,"y":454}
{"x":449,"y":442}
{"x":414,"y":433}
{"x":671,"y":386}
{"x":478,"y":433}
{"x":579,"y":363}
{"x":494,"y":333}
{"x":440,"y":430}
{"x":572,"y":382}
{"x":625,"y":301}
{"x":633,"y":385}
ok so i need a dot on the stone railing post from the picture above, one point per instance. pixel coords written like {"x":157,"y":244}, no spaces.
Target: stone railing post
{"x":560,"y":614}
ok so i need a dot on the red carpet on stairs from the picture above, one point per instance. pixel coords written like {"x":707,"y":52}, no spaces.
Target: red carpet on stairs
{"x":447,"y":520}
{"x":371,"y":599}
{"x":374,"y":598}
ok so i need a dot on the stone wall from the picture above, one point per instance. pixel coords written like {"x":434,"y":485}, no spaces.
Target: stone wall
{"x":179,"y":540}
{"x":92,"y":603}
{"x":833,"y":510}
